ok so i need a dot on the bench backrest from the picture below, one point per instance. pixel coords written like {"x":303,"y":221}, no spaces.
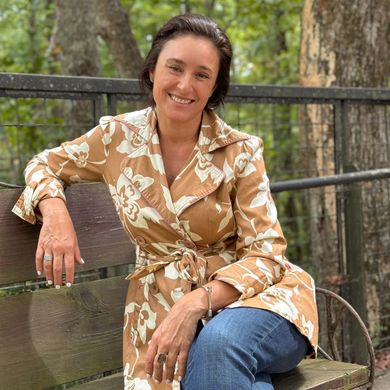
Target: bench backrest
{"x":47,"y":336}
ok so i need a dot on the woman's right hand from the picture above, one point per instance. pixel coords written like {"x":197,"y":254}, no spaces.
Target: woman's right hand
{"x":58,"y":241}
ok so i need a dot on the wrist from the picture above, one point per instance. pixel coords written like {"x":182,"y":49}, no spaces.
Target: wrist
{"x":196,"y":303}
{"x":52,"y":206}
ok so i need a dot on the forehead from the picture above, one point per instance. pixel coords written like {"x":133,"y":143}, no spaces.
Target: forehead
{"x":192,"y":49}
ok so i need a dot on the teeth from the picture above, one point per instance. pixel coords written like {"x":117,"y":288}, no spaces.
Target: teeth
{"x":178,"y":100}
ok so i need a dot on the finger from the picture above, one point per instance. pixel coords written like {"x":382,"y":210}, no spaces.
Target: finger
{"x":69,"y":269}
{"x":149,"y":361}
{"x":48,"y":267}
{"x":170,"y":366}
{"x":57,"y":268}
{"x":158,"y":367}
{"x":38,"y":260}
{"x":182,"y":364}
{"x":77,"y":254}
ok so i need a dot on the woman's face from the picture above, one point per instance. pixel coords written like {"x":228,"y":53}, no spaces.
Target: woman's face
{"x":184,"y":78}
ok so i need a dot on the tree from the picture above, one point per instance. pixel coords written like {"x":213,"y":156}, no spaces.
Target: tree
{"x":75,"y":37}
{"x":75,"y":42}
{"x":347,"y":43}
{"x":116,"y":31}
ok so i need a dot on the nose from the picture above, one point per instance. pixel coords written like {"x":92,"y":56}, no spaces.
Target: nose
{"x":185,"y":82}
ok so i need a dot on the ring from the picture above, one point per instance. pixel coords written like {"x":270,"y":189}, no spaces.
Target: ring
{"x":161,"y":358}
{"x":47,"y":257}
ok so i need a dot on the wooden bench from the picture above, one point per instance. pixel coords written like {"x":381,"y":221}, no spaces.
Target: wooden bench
{"x":73,"y":336}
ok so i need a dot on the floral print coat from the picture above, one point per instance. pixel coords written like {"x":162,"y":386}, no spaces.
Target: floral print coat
{"x":216,"y":221}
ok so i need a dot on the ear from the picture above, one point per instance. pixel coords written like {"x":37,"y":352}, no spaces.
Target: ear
{"x":151,"y":76}
{"x":212,"y":91}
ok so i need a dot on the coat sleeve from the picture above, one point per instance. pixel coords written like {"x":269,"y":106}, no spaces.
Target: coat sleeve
{"x":260,"y":245}
{"x":81,"y":160}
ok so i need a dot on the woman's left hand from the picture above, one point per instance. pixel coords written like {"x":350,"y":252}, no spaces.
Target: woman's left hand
{"x":172,"y":340}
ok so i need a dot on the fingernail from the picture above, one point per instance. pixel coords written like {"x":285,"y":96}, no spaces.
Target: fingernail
{"x":49,"y":282}
{"x":39,"y":273}
{"x":58,"y":286}
{"x":68,"y":284}
{"x":157,"y":381}
{"x":148,"y":376}
{"x":169,"y":381}
{"x":82,"y":261}
{"x":179,"y":378}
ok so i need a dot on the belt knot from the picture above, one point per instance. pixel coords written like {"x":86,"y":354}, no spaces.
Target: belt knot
{"x":190,"y":262}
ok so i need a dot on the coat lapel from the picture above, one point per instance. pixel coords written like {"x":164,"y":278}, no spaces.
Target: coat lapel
{"x":144,"y":168}
{"x":201,"y":176}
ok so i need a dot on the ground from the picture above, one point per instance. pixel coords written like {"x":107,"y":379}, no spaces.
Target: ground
{"x":382,"y":370}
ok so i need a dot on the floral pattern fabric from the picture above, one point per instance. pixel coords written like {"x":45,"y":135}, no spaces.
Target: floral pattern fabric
{"x":216,"y":221}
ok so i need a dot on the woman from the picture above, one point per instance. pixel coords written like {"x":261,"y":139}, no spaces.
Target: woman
{"x":193,"y":195}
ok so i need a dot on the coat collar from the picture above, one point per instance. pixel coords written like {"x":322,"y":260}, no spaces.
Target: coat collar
{"x":214,"y":132}
{"x":198,"y":178}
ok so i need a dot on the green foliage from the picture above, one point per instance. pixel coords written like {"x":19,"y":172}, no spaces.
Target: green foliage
{"x":25,"y":30}
{"x":264,"y":33}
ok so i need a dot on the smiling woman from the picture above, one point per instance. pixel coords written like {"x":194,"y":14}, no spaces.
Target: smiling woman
{"x":213,"y":303}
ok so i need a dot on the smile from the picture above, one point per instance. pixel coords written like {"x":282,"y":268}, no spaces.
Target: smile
{"x":179,"y":100}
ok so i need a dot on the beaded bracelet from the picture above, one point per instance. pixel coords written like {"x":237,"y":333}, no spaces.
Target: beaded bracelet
{"x":209,"y":310}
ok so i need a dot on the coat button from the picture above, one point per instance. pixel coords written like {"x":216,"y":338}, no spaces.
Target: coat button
{"x":140,"y":240}
{"x":189,"y":244}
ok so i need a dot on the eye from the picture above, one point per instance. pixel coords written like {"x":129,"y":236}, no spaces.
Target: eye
{"x":174,"y":68}
{"x":202,"y":76}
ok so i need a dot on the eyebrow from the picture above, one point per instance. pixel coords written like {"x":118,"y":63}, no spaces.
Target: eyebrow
{"x":204,"y":67}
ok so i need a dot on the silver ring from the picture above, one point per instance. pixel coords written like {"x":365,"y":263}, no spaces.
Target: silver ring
{"x":47,"y":257}
{"x":161,"y":358}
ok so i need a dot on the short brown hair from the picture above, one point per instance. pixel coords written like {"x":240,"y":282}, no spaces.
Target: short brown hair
{"x":197,"y":25}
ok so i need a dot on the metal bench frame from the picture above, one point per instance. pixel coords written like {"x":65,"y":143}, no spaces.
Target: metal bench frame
{"x":333,"y":319}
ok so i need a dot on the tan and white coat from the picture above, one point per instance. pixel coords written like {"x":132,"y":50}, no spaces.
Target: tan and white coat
{"x":216,"y":221}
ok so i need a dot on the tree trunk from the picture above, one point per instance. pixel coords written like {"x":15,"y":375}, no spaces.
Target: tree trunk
{"x":117,"y":33}
{"x":75,"y":39}
{"x":347,"y":43}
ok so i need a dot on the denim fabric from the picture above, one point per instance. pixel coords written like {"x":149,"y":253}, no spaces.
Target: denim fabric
{"x":239,"y":349}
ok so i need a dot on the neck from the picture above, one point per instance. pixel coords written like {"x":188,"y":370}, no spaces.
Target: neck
{"x":178,"y":132}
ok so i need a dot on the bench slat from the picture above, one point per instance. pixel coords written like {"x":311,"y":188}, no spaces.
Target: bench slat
{"x":112,"y":382}
{"x":102,"y":239}
{"x":50,"y":336}
{"x":322,"y":374}
{"x":313,"y":374}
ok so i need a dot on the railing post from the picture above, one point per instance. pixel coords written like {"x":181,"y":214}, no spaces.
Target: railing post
{"x":355,"y":266}
{"x":97,"y":108}
{"x":111,"y":104}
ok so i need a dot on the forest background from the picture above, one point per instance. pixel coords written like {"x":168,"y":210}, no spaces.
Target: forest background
{"x":319,"y":43}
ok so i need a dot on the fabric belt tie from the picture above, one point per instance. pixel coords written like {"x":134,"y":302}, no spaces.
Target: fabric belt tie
{"x":191,"y":264}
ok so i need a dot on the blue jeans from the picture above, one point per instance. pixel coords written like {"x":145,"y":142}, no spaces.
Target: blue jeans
{"x":239,"y":348}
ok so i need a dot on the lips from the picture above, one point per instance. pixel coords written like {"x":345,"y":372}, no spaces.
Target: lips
{"x":176,"y":99}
